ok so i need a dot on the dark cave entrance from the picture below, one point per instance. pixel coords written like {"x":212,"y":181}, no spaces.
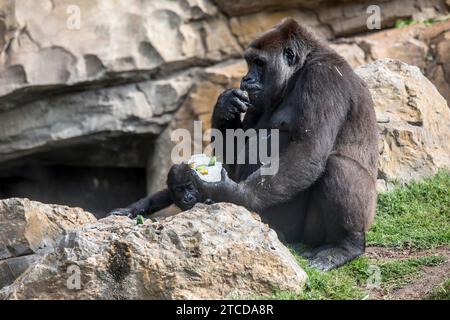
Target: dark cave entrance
{"x":97,"y":175}
{"x":95,"y":189}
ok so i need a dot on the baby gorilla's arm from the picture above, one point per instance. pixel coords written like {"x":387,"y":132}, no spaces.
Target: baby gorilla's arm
{"x":146,"y":206}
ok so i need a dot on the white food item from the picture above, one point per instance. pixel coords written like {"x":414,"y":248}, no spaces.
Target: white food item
{"x":214,"y":172}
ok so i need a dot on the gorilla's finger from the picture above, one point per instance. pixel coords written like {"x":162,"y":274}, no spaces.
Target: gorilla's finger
{"x":234,"y":109}
{"x":117,"y":212}
{"x":239,"y":105}
{"x":123,"y":212}
{"x":224,"y":174}
{"x":242,"y":95}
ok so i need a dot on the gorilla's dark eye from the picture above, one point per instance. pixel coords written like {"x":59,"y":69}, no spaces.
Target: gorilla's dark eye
{"x":190,"y":187}
{"x":290,"y":56}
{"x":259,"y":62}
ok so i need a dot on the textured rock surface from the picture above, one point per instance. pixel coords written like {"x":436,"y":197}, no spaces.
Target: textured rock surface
{"x":28,"y":228}
{"x":413,"y":120}
{"x":209,"y":252}
{"x":247,"y":28}
{"x":65,"y":42}
{"x":95,"y":115}
{"x":426,"y":47}
{"x":334,"y":12}
{"x":12,"y":268}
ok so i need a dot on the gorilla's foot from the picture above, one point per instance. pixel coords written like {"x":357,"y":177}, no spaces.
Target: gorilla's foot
{"x":310,"y":253}
{"x":332,"y":258}
{"x":327,"y":258}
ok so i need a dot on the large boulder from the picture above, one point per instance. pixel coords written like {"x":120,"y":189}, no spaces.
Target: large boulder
{"x":210,"y":252}
{"x":29,"y":229}
{"x":413,"y":121}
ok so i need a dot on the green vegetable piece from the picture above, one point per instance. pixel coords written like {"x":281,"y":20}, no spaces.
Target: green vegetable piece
{"x":212,"y":162}
{"x":200,"y":168}
{"x":428,"y":22}
{"x":140,"y":220}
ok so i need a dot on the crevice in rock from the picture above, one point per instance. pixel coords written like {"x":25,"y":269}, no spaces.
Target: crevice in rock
{"x":234,"y":35}
{"x":119,"y":262}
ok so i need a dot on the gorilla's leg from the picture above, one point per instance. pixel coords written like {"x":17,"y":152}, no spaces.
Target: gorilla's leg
{"x":287,"y":219}
{"x":342,"y":205}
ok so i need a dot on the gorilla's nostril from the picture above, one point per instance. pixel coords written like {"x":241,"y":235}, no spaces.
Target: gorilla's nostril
{"x":188,"y":198}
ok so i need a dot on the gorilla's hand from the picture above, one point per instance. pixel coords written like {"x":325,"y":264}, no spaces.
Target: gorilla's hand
{"x":126,"y":212}
{"x":215,"y":191}
{"x":231,"y":104}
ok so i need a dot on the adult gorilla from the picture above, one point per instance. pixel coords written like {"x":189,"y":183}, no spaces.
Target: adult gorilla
{"x":324,"y":192}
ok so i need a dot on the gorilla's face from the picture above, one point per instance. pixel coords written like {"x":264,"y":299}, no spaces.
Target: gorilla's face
{"x":269,"y":70}
{"x":184,"y":194}
{"x":273,"y":60}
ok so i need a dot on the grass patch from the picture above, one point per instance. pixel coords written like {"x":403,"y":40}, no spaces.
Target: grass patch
{"x":417,"y":215}
{"x":442,"y":292}
{"x":393,"y":273}
{"x":350,"y":281}
{"x":335,"y":285}
{"x":403,"y":23}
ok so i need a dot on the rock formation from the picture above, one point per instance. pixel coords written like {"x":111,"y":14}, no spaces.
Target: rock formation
{"x":29,"y":229}
{"x":210,"y":252}
{"x":413,"y":121}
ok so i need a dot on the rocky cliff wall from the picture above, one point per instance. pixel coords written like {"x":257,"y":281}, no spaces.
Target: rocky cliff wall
{"x":90,"y":90}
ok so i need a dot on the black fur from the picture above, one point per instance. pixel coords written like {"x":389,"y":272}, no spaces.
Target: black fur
{"x":324,"y":192}
{"x":180,"y":191}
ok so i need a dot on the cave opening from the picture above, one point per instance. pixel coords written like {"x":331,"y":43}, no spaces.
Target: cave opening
{"x":95,"y":189}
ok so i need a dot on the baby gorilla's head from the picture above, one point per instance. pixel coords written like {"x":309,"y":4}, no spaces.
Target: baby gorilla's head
{"x":183,"y":192}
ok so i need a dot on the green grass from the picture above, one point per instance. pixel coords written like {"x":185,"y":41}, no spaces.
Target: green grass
{"x":394,"y":273}
{"x":350,"y":281}
{"x":403,"y":23}
{"x":417,"y":215}
{"x":442,"y":292}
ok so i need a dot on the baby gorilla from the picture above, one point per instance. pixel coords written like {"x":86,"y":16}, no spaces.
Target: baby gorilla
{"x":180,"y":191}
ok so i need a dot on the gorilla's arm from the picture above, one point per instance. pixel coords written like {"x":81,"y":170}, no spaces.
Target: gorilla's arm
{"x":322,"y":109}
{"x":154,"y":203}
{"x":227,"y":115}
{"x":146,"y":206}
